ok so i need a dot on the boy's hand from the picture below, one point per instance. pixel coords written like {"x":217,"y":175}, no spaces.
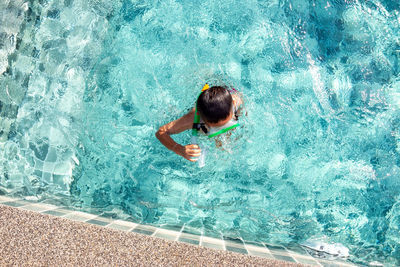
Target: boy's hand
{"x":190,"y":152}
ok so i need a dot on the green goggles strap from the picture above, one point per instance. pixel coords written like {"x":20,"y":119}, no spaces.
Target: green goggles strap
{"x":223,"y":130}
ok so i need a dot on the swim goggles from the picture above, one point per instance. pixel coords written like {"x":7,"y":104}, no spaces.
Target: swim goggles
{"x":216,"y":130}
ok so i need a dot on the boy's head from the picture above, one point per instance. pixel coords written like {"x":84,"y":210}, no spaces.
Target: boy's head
{"x":215,"y":104}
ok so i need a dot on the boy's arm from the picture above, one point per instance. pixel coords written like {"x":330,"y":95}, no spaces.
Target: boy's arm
{"x":174,"y":127}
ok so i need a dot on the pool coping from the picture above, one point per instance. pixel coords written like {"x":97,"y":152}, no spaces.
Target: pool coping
{"x":295,"y":254}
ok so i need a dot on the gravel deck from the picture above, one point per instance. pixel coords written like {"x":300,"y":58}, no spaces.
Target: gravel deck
{"x":32,"y":239}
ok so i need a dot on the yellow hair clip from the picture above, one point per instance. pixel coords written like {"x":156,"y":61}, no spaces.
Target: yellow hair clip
{"x":205,"y":87}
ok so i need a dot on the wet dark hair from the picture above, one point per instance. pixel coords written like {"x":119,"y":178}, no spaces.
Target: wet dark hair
{"x":214,"y":104}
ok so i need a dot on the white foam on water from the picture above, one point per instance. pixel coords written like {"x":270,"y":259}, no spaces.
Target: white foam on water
{"x":334,"y":249}
{"x":319,"y":85}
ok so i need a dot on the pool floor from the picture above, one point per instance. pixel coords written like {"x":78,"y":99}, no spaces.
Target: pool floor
{"x":44,"y":234}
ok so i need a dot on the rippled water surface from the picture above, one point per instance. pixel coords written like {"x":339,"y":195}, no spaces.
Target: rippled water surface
{"x":84,"y":85}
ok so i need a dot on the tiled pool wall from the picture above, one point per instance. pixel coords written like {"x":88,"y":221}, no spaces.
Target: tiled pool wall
{"x":294,"y":253}
{"x":12,"y":19}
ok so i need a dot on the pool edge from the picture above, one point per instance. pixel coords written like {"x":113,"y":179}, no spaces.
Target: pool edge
{"x":263,"y":251}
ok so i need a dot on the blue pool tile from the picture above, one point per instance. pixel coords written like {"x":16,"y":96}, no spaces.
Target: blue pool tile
{"x":17,"y":203}
{"x":122,"y":225}
{"x":236,"y":249}
{"x":257,"y":244}
{"x":54,"y":213}
{"x":80,"y":216}
{"x":167,"y":234}
{"x":337,"y":263}
{"x":309,"y":261}
{"x":144,"y":230}
{"x":211,"y":242}
{"x":64,"y":210}
{"x":275,"y":247}
{"x":98,"y":222}
{"x":189,"y":230}
{"x":212,"y":245}
{"x":211,"y":234}
{"x":141,"y":231}
{"x":176,"y":228}
{"x":297,"y":248}
{"x":119,"y":227}
{"x":263,"y":254}
{"x":283,"y":257}
{"x":235,"y":245}
{"x":35,"y":207}
{"x":233,"y":240}
{"x":330,"y":264}
{"x":188,"y":240}
{"x":258,"y":249}
{"x":6,"y":199}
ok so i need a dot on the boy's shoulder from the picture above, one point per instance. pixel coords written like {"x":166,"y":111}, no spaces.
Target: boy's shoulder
{"x":237,"y":98}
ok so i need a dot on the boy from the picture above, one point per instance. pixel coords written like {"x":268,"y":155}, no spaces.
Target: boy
{"x":216,"y":111}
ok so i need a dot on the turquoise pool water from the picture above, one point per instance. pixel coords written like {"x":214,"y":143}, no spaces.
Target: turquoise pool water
{"x":86,"y":84}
